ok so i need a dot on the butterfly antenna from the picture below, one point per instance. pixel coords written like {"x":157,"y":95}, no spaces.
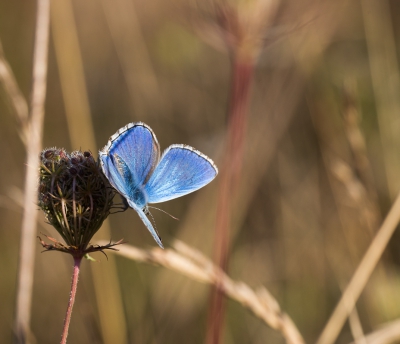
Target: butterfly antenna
{"x":175,"y":218}
{"x":152,"y":220}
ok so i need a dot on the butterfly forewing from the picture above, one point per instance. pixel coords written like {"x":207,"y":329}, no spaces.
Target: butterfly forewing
{"x":112,"y":173}
{"x":137,"y":146}
{"x":181,"y":170}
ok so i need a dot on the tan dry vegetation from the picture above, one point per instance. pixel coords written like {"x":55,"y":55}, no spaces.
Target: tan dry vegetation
{"x":320,"y":167}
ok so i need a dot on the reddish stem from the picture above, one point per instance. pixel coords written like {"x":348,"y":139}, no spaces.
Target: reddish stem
{"x":74,"y":285}
{"x":243,"y":69}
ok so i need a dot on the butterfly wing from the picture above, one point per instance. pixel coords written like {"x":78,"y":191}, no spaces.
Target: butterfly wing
{"x":147,"y":223}
{"x":133,"y":196}
{"x":181,"y":170}
{"x":137,"y":146}
{"x":113,"y":174}
{"x":128,"y":160}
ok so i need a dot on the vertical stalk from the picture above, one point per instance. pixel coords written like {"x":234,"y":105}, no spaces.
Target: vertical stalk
{"x":74,"y":286}
{"x":33,"y":147}
{"x":242,"y":74}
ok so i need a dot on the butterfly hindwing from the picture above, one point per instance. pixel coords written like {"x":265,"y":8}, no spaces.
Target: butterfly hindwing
{"x":147,"y":222}
{"x":181,"y":170}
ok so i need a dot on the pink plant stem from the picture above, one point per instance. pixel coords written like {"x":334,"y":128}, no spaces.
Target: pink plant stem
{"x":74,"y":285}
{"x":243,"y":68}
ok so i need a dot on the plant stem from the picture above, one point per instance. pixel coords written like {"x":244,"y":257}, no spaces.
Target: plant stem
{"x":242,"y":70}
{"x":361,"y":276}
{"x":74,"y":285}
{"x":33,"y":137}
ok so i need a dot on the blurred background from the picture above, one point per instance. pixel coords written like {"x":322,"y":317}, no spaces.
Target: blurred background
{"x":321,"y":161}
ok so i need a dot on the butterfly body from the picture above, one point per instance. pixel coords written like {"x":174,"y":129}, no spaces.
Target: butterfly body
{"x":132,"y":164}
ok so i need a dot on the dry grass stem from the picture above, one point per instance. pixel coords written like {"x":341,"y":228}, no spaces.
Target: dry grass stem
{"x":33,"y":147}
{"x":388,"y":333}
{"x":243,"y":29}
{"x":125,"y":28}
{"x":361,"y":276}
{"x":14,"y":94}
{"x":73,"y":85}
{"x":356,"y":327}
{"x":385,"y":76}
{"x":356,"y":191}
{"x":195,"y":265}
{"x":345,"y":174}
{"x":356,"y":139}
{"x":357,"y":143}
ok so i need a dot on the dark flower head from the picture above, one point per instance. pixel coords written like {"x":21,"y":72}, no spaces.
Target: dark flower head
{"x":75,"y":197}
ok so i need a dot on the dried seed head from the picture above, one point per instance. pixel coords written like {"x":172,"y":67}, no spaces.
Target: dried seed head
{"x":74,"y":194}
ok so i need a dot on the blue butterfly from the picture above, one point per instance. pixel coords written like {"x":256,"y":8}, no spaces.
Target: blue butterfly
{"x":131,"y":162}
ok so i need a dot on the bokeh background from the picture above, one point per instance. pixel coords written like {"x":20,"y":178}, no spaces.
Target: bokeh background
{"x":321,"y":167}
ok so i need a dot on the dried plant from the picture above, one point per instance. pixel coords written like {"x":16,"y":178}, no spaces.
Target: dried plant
{"x":240,"y":28}
{"x":309,"y":198}
{"x":76,"y":198}
{"x":193,"y":264}
{"x":31,"y":133}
